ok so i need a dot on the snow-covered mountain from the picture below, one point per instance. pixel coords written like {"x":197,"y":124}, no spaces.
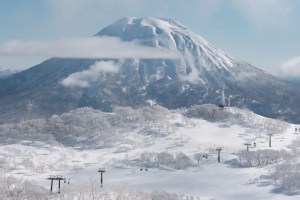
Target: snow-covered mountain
{"x":293,"y":80}
{"x":195,"y":77}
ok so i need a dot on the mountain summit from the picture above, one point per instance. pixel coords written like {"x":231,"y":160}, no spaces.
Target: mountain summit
{"x":197,"y":76}
{"x":196,"y":53}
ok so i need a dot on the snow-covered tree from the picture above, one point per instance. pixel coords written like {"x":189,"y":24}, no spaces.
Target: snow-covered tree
{"x":182,"y":161}
{"x":198,"y":157}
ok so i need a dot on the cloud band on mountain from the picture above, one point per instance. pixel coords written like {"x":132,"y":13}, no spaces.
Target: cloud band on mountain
{"x":84,"y":78}
{"x":94,"y":47}
{"x":291,"y":68}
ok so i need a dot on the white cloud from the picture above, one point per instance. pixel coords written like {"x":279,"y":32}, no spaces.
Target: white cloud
{"x":94,"y":47}
{"x":291,"y":68}
{"x":267,"y":12}
{"x":94,"y":73}
{"x":244,"y":76}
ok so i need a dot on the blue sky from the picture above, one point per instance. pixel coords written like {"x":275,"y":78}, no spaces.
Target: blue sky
{"x":265,"y":33}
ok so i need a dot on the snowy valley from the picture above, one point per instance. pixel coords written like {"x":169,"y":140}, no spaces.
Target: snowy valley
{"x":151,"y":153}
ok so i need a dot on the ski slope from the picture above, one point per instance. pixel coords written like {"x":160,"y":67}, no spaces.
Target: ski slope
{"x":209,"y":180}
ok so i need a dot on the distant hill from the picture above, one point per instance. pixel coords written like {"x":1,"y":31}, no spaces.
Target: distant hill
{"x":293,"y":80}
{"x":6,"y":72}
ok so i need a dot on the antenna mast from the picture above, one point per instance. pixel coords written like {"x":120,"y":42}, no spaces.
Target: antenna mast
{"x":29,"y":107}
{"x":223,"y":102}
{"x":223,"y":98}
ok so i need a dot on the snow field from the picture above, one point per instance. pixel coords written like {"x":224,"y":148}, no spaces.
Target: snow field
{"x":211,"y":180}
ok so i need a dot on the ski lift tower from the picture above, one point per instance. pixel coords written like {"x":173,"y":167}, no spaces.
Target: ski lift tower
{"x":219,"y":149}
{"x":270,"y":138}
{"x":101,"y":170}
{"x":55,"y":178}
{"x":247,"y":144}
